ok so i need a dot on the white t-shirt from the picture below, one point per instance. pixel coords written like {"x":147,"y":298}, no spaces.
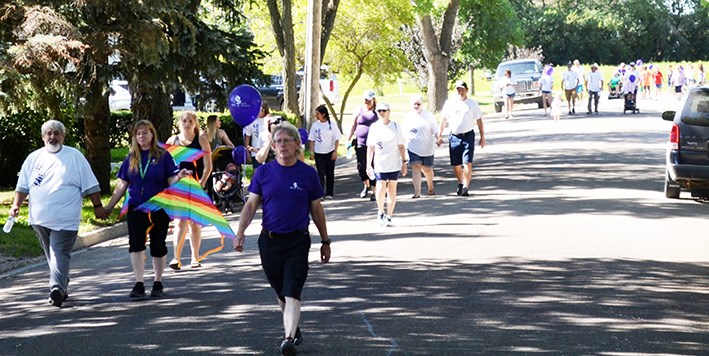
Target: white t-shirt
{"x":56,"y":183}
{"x":546,"y":82}
{"x":386,"y":140}
{"x":324,"y":135}
{"x":420,"y":130}
{"x":258,"y":130}
{"x":508,"y":85}
{"x":570,"y":80}
{"x":594,"y":81}
{"x":461,"y":114}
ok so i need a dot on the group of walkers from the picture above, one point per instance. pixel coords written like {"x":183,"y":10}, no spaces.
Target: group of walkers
{"x":288,"y":191}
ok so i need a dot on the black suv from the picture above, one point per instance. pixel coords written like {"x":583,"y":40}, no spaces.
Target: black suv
{"x":688,"y":148}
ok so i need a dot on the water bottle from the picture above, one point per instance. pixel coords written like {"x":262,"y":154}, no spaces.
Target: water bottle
{"x":350,"y":151}
{"x":8,"y":225}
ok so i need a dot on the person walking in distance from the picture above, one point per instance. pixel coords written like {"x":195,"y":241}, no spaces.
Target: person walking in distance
{"x":56,"y":178}
{"x":386,"y":158}
{"x":461,"y":114}
{"x":420,"y":131}
{"x":360,"y":128}
{"x":594,"y":83}
{"x":570,"y":83}
{"x":324,"y":138}
{"x":289,"y":192}
{"x":546,"y":82}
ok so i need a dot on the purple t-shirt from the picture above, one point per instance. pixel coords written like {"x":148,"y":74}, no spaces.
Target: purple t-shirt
{"x":286,"y":193}
{"x":141,"y":189}
{"x":364,"y":119}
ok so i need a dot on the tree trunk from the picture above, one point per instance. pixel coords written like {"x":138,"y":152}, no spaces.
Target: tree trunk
{"x":153,"y":104}
{"x":96,"y":130}
{"x":437,"y":50}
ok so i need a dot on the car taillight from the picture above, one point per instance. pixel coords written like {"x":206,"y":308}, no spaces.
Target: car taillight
{"x":674,"y":137}
{"x":332,"y":85}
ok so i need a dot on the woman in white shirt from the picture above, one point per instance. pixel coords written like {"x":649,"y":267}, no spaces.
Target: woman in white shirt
{"x":420,"y":131}
{"x":508,"y":88}
{"x":324,"y":138}
{"x":385,"y":147}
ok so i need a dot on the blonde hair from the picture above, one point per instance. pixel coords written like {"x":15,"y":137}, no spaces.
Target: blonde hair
{"x":193,"y":115}
{"x":212,"y":129}
{"x":155,"y":151}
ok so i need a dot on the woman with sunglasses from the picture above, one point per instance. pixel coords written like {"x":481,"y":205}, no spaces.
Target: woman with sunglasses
{"x":385,"y":149}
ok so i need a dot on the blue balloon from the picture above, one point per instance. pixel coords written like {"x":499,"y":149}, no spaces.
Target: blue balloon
{"x":549,"y":70}
{"x":238,"y":154}
{"x":632,"y":78}
{"x":244,"y":104}
{"x":303,"y":135}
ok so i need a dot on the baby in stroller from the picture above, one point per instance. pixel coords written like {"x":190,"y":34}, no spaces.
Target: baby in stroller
{"x":226,"y":189}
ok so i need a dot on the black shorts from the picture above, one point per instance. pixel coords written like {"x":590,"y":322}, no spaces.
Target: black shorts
{"x":284,"y":259}
{"x":141,"y":224}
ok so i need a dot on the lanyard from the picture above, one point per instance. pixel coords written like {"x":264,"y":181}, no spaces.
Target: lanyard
{"x":144,"y":170}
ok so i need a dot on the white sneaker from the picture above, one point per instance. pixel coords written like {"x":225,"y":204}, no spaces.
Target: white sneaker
{"x":363,"y":194}
{"x":388,"y":222}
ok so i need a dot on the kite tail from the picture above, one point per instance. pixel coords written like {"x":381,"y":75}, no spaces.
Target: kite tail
{"x":216,"y":249}
{"x":181,"y":244}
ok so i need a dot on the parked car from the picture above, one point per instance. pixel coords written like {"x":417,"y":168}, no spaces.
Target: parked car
{"x":527,"y":90}
{"x":273,"y":92}
{"x":687,"y":157}
{"x":119,"y":99}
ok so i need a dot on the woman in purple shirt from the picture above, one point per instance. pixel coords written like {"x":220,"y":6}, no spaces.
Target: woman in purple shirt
{"x":146,"y":171}
{"x":366,"y":117}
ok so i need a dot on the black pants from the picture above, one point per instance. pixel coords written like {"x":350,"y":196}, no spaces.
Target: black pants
{"x":361,"y":152}
{"x":141,"y":224}
{"x":326,"y":171}
{"x":593,"y":96}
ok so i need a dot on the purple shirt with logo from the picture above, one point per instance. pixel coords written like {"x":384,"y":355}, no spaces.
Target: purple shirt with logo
{"x":155,"y":180}
{"x":286,"y":193}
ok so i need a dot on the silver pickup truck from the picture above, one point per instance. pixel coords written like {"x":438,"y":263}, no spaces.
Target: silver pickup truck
{"x":526,"y":72}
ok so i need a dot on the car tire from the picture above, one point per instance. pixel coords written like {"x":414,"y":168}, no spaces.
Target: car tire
{"x":672,"y":189}
{"x":498,"y":107}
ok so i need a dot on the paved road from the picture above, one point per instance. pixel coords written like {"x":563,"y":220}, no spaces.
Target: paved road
{"x":567,"y":246}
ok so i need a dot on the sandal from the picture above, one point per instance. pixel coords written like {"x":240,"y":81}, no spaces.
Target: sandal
{"x":195,"y":264}
{"x":431,"y":192}
{"x":175,"y":264}
{"x":415,"y":196}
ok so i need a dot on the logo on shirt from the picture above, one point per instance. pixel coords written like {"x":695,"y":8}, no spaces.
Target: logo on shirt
{"x":295,"y":186}
{"x":414,"y":130}
{"x":40,"y":176}
{"x":318,"y":135}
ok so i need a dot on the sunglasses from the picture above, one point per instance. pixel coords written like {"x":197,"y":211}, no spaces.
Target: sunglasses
{"x":382,"y":111}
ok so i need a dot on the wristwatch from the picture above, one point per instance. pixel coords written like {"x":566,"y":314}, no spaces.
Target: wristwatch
{"x":326,"y":242}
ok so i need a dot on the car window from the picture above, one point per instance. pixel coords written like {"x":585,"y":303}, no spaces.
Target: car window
{"x":519,"y":68}
{"x":696,"y":109}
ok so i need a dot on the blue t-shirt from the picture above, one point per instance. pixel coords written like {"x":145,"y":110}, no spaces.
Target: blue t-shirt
{"x":286,"y":193}
{"x":141,"y":189}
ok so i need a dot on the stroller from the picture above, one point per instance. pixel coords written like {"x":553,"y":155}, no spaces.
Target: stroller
{"x":226,"y":187}
{"x":630,"y":94}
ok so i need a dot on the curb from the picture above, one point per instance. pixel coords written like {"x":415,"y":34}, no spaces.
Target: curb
{"x":10,"y":265}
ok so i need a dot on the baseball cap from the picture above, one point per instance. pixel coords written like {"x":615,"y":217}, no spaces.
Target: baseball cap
{"x":369,"y":94}
{"x":382,"y":106}
{"x":594,"y":65}
{"x":461,"y":84}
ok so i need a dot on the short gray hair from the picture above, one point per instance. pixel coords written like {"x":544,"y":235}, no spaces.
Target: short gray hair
{"x":290,"y":130}
{"x":53,"y":125}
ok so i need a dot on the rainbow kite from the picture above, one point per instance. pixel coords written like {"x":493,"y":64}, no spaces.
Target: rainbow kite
{"x":124,"y":208}
{"x":182,"y":153}
{"x":185,"y":200}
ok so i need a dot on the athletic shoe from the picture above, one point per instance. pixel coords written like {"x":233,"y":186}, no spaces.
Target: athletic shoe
{"x":465,"y":192}
{"x":363,"y":193}
{"x":573,"y":111}
{"x":138,"y":290}
{"x":56,"y":298}
{"x":175,"y":264}
{"x":388,"y":222}
{"x":381,"y":217}
{"x":288,"y":347}
{"x":157,"y":290}
{"x":298,"y":339}
{"x":329,"y":197}
{"x":460,"y":189}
